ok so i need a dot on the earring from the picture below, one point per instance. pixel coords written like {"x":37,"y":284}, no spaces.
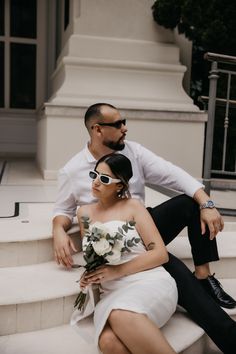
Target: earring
{"x":119,"y":193}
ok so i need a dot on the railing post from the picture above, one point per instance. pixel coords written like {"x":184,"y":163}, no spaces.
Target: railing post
{"x":210,"y":127}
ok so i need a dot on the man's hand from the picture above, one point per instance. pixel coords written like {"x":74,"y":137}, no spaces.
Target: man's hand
{"x":62,"y":243}
{"x":214,"y":221}
{"x":209,"y":217}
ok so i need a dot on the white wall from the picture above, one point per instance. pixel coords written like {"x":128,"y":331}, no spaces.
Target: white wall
{"x":176,"y":136}
{"x":17,"y":134}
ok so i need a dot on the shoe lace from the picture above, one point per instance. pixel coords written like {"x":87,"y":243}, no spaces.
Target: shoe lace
{"x":216,"y":281}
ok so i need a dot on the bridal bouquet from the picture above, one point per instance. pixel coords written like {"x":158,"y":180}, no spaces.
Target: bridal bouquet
{"x":101,"y":246}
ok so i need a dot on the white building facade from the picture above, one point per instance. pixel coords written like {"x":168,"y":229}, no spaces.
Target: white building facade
{"x":74,"y":53}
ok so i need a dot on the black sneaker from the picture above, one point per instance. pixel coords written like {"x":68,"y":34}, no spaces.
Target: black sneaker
{"x":214,"y":288}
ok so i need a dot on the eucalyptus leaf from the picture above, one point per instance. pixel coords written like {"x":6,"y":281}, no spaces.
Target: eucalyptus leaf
{"x":120,"y":230}
{"x":132,"y":222}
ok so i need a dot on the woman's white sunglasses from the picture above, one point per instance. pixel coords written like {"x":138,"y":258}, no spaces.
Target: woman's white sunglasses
{"x":104,"y":179}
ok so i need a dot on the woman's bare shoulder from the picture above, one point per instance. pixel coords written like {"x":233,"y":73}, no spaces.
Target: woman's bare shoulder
{"x":135,"y":203}
{"x":133,"y":206}
{"x":85,"y":210}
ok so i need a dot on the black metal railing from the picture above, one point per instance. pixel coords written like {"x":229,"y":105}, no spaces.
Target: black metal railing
{"x":212,"y":102}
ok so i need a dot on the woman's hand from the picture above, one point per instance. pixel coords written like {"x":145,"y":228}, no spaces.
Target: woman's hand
{"x":83,"y":282}
{"x":101,"y":274}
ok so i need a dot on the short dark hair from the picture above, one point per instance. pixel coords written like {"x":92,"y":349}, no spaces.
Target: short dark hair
{"x":120,"y":166}
{"x":95,"y":111}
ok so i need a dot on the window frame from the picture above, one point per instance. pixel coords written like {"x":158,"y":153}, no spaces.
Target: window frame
{"x":40,"y":43}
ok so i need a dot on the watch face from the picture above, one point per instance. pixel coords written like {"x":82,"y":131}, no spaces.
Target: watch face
{"x":210,"y":204}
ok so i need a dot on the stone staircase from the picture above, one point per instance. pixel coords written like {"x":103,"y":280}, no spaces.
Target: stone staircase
{"x":37,"y":296}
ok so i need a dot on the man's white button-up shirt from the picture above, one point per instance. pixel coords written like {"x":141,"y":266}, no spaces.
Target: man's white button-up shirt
{"x":74,"y":183}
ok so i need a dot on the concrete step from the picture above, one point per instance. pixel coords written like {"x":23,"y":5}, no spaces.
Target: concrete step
{"x":34,"y":251}
{"x":37,"y":296}
{"x":184,"y":335}
{"x":28,"y":240}
{"x":226,"y":241}
{"x":230,"y":226}
{"x":27,"y":252}
{"x":42,"y":296}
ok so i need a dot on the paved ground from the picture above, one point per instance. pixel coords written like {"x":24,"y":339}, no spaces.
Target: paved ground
{"x":22,"y":182}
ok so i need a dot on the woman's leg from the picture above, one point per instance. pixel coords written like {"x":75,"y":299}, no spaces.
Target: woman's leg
{"x":139,"y":334}
{"x":109,"y":343}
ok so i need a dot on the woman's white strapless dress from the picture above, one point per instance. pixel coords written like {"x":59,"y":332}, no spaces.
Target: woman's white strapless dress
{"x":152,"y":292}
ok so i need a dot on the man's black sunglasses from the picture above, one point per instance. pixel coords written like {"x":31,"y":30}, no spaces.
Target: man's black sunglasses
{"x":116,"y":124}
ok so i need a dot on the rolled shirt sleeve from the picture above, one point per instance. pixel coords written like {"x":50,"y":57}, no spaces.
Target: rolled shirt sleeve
{"x":65,"y":203}
{"x":153,"y":169}
{"x":158,"y":171}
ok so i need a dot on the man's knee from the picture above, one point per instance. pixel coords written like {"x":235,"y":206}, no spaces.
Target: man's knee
{"x":178,"y":203}
{"x":186,"y":200}
{"x":188,"y":204}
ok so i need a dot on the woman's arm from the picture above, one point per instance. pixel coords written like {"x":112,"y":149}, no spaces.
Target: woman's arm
{"x":156,"y":254}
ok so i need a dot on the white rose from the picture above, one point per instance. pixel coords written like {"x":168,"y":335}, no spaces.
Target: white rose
{"x":119,"y":244}
{"x":116,"y":256}
{"x":102,"y":246}
{"x":104,"y":230}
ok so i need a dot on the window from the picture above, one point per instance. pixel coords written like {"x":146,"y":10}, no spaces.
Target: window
{"x":18,"y":52}
{"x":2,"y":74}
{"x":2,"y":22}
{"x":66,"y":13}
{"x":23,"y":18}
{"x":23,"y":78}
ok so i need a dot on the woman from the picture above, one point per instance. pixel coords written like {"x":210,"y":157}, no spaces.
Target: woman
{"x":137,"y":295}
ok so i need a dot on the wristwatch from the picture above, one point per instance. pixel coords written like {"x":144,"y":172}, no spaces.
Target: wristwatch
{"x":209,"y":204}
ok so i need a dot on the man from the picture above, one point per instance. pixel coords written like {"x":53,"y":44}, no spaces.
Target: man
{"x":200,"y":294}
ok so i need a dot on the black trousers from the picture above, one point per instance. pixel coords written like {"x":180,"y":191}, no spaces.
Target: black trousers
{"x":170,"y":218}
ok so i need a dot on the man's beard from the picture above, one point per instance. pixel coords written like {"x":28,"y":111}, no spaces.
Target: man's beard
{"x":116,"y":146}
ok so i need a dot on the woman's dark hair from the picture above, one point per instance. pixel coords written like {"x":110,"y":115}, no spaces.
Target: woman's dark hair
{"x":120,"y":166}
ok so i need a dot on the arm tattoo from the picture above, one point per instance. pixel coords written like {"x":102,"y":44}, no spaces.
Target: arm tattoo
{"x":150,"y":246}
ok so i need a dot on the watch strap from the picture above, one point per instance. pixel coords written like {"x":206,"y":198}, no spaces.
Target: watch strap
{"x":209,"y":204}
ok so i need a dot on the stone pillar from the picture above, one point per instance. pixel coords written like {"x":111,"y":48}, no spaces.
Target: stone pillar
{"x":114,"y":52}
{"x":117,"y":53}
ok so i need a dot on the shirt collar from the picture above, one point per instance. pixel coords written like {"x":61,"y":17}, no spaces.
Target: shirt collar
{"x":89,"y":156}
